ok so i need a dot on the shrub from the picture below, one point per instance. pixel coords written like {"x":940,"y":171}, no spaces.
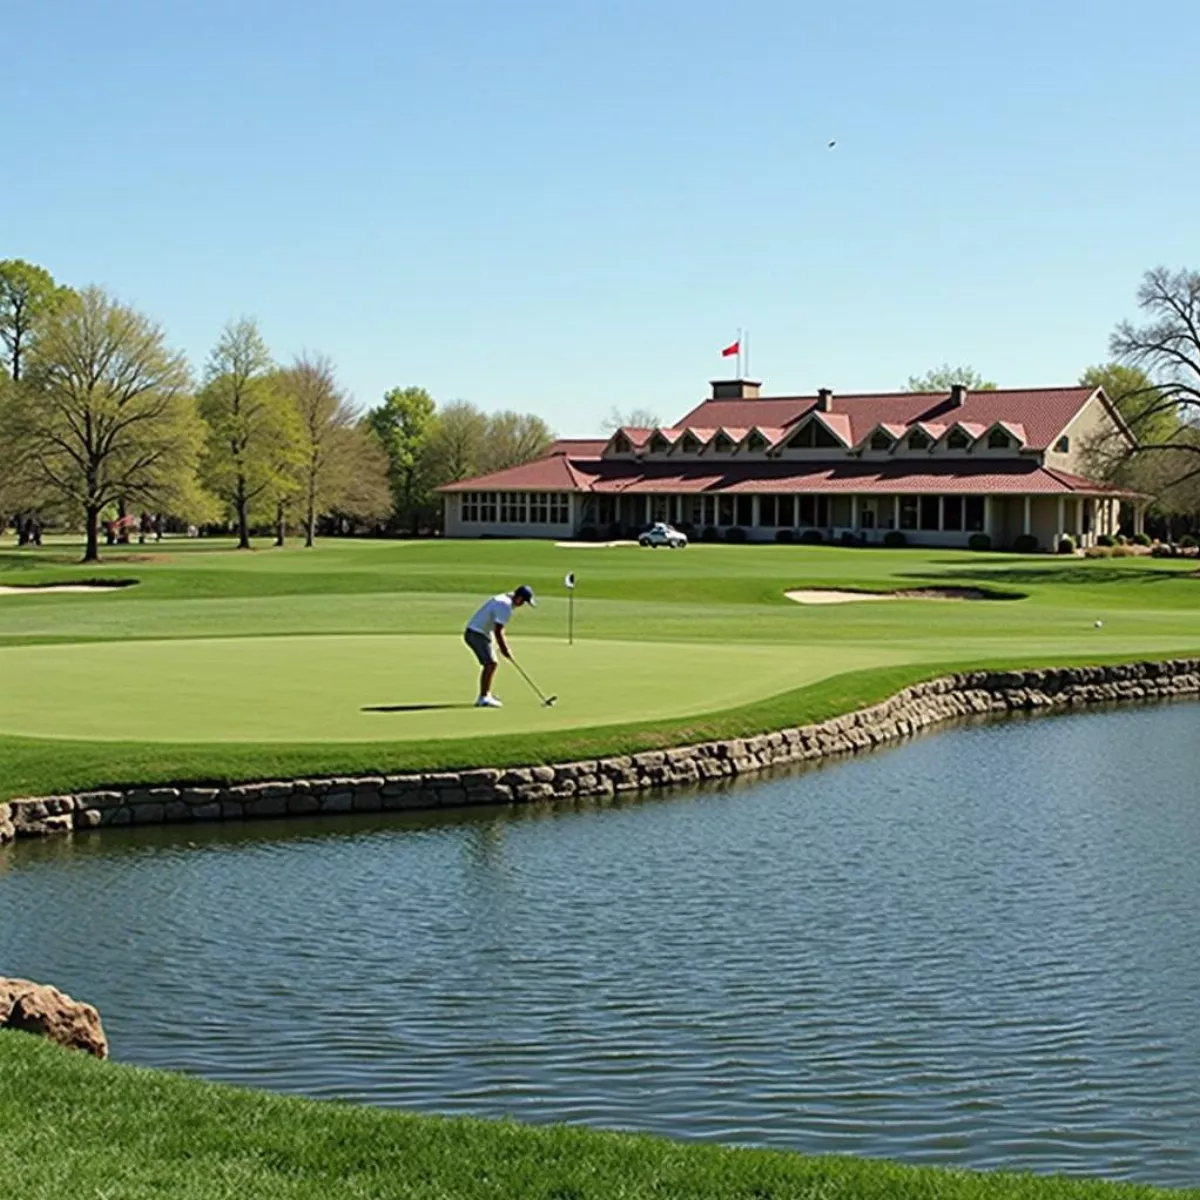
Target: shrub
{"x":894,"y":538}
{"x":850,"y":538}
{"x":1066,"y":544}
{"x":1188,"y":542}
{"x":979,"y":541}
{"x":1141,"y":539}
{"x":1158,"y":550}
{"x":710,"y":534}
{"x":812,"y":537}
{"x":687,"y":529}
{"x":1025,"y":543}
{"x":1097,"y":552}
{"x":735,"y":533}
{"x":1122,"y":540}
{"x":1104,"y":539}
{"x":1122,"y":552}
{"x":785,"y":535}
{"x":589,"y":533}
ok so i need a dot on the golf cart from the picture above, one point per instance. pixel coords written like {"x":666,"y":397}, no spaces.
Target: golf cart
{"x":662,"y":534}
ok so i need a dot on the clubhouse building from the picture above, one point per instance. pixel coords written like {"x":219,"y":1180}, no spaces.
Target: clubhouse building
{"x":937,"y":467}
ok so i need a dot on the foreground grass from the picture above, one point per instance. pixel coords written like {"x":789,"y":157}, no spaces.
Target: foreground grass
{"x":72,"y":1128}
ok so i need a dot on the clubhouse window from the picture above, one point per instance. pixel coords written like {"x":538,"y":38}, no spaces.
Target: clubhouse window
{"x":724,"y":510}
{"x":908,"y":512}
{"x":973,"y":507}
{"x":745,"y":511}
{"x":515,"y":508}
{"x":767,"y":509}
{"x":785,"y":510}
{"x":929,"y":512}
{"x":952,"y":513}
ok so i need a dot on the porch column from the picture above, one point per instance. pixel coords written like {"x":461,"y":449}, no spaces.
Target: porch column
{"x":755,"y":512}
{"x":1139,"y":518}
{"x":854,"y":511}
{"x":1028,"y":527}
{"x":987,"y":515}
{"x":896,"y":512}
{"x":646,"y":509}
{"x":941,"y":513}
{"x":1062,"y":521}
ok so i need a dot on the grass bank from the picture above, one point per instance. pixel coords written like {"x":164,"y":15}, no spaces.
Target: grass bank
{"x":72,"y":1127}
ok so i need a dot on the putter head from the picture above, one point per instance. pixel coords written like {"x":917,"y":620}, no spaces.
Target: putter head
{"x":550,"y":701}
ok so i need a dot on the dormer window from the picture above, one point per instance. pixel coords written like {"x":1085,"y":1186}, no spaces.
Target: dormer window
{"x":957,"y":440}
{"x":689,"y":444}
{"x":998,"y":440}
{"x":659,"y":444}
{"x":1063,"y":445}
{"x":813,"y":436}
{"x":723,"y":443}
{"x":880,"y":440}
{"x":756,"y":442}
{"x":621,"y":444}
{"x":917,"y":440}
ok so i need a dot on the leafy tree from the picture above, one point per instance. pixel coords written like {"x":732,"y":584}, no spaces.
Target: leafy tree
{"x":635,"y":418}
{"x":28,"y":296}
{"x":1136,"y":398}
{"x":943,"y":378}
{"x":252,"y":427}
{"x":103,"y":412}
{"x":402,"y":426}
{"x":1167,"y":350}
{"x":457,"y":443}
{"x":335,"y":469}
{"x":512,"y":439}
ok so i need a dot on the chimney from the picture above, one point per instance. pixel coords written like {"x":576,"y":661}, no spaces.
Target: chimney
{"x":735,"y":389}
{"x":958,"y":393}
{"x":824,"y":400}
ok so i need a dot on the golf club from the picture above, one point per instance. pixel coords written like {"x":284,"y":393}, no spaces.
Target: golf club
{"x":547,"y":701}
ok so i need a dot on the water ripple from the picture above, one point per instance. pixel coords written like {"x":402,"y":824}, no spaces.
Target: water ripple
{"x":978,"y":950}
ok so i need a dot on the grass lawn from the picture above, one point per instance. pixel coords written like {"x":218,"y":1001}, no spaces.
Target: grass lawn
{"x":74,"y":1128}
{"x":225,"y":665}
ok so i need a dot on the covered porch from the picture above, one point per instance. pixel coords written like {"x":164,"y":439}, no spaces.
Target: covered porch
{"x":924,"y":519}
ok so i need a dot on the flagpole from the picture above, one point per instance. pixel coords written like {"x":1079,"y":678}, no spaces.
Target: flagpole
{"x":739,"y":353}
{"x":747,"y":354}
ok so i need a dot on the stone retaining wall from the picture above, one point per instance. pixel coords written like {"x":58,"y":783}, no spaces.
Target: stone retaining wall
{"x":908,"y":711}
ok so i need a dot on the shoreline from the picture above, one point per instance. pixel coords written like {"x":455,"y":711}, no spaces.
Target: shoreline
{"x":908,"y":711}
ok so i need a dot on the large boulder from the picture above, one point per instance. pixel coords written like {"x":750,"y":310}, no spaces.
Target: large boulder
{"x":36,"y":1008}
{"x":8,"y":831}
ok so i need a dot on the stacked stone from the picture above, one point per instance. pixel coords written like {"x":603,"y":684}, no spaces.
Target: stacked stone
{"x":909,"y":711}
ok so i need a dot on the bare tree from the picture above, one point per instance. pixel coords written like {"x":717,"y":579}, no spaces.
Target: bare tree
{"x":635,"y":418}
{"x":337,"y":468}
{"x":1167,"y":349}
{"x":104,"y":411}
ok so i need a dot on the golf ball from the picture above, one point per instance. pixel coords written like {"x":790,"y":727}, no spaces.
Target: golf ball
{"x":1099,"y":624}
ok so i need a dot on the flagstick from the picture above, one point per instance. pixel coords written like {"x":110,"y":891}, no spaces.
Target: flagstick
{"x":571,"y":618}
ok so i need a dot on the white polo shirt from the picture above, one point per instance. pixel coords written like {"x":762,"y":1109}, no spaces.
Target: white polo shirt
{"x":496,"y":611}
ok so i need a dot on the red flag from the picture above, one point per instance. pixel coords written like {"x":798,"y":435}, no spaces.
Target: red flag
{"x":731,"y":349}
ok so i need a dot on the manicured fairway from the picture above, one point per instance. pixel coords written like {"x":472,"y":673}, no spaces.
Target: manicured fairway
{"x":219,"y":664}
{"x":367,"y":688}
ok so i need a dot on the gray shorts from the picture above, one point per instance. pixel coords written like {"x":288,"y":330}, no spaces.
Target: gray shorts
{"x":481,"y":645}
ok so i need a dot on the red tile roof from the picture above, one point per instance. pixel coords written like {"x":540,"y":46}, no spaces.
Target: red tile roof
{"x":1044,"y":412}
{"x":950,"y":476}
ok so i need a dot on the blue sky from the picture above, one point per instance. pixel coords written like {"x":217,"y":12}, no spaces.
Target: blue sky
{"x":560,"y":207}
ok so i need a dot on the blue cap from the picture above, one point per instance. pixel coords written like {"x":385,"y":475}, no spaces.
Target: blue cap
{"x":526,"y":594}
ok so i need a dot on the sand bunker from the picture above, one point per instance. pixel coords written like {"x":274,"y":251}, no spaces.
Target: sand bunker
{"x":830,"y":596}
{"x":61,"y":587}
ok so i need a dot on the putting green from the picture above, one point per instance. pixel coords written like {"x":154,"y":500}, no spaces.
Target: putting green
{"x":383,"y":688}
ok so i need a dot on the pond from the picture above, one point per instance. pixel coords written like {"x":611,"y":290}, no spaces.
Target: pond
{"x":977,"y":949}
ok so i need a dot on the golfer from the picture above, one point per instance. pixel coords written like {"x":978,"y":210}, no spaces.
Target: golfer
{"x":492,"y":619}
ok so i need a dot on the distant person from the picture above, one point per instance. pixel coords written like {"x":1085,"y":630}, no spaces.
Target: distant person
{"x":490,"y":621}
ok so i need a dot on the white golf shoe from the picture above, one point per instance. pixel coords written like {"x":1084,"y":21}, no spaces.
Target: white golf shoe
{"x":488,"y":702}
